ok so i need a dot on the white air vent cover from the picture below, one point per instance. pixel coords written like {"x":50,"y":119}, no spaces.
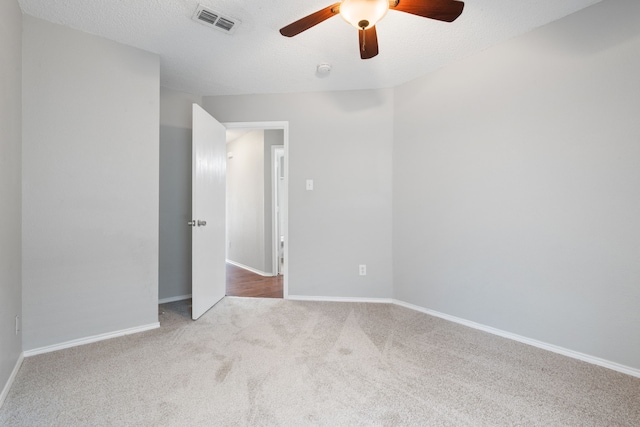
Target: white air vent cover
{"x":216,"y":20}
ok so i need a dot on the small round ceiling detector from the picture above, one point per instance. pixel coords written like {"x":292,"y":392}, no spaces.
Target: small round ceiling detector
{"x":323,"y":70}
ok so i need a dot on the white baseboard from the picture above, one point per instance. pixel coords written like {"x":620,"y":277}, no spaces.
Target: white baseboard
{"x":12,"y":377}
{"x":340,"y":299}
{"x":535,"y":343}
{"x":174,"y":299}
{"x":251,"y":269}
{"x":91,"y":339}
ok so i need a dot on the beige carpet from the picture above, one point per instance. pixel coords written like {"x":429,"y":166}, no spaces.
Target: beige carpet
{"x":276,"y":362}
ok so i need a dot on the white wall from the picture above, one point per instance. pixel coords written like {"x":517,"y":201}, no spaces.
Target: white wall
{"x":175,"y":192}
{"x":246,"y":201}
{"x":517,"y":185}
{"x":10,"y":187}
{"x":343,"y":141}
{"x":90,"y":185}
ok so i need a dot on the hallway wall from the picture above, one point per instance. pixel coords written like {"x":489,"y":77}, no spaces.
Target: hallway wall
{"x":246,"y":201}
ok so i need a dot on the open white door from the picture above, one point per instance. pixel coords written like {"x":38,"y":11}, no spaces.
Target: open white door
{"x":208,"y":211}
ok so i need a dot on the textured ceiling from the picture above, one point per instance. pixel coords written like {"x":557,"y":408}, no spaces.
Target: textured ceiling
{"x":257,"y":59}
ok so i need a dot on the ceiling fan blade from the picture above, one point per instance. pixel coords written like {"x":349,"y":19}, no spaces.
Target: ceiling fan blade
{"x":442,"y":10}
{"x":368,"y":43}
{"x":309,"y":21}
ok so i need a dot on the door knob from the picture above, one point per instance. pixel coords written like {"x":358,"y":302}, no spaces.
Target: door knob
{"x":202,"y":223}
{"x":191,"y":223}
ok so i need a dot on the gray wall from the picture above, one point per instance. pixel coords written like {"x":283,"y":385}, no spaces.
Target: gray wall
{"x":90,"y":185}
{"x":343,"y":141}
{"x":516,"y":185}
{"x":271,"y":137}
{"x":245,"y":200}
{"x":10,"y":187}
{"x":175,"y":192}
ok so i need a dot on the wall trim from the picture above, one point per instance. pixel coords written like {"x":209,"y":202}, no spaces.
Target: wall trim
{"x":174,"y":299}
{"x":12,"y":377}
{"x":91,"y":339}
{"x":339,"y":299}
{"x":530,"y":341}
{"x":251,"y":269}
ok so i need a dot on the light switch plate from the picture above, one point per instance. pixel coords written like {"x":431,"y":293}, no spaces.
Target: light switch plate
{"x":309,"y":184}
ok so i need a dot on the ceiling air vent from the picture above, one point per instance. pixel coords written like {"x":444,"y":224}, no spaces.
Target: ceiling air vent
{"x":216,"y":20}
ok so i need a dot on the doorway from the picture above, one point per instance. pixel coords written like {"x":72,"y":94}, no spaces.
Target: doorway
{"x":257,"y":189}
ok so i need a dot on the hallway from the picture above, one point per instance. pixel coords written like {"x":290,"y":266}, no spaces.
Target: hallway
{"x":244,"y":283}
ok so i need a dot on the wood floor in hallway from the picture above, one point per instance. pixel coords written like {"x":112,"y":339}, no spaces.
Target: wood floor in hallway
{"x":243,"y":283}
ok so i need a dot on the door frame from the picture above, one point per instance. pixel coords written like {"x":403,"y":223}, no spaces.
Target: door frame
{"x":284,"y":126}
{"x":275,"y":196}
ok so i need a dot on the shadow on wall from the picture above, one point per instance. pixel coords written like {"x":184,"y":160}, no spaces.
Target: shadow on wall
{"x":175,"y":210}
{"x":365,"y":101}
{"x":574,"y":38}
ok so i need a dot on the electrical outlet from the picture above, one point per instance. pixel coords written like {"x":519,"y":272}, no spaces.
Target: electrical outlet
{"x":17,"y":324}
{"x":363,"y":269}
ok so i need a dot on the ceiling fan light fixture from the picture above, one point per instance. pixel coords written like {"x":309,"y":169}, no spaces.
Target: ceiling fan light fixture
{"x":363,"y":14}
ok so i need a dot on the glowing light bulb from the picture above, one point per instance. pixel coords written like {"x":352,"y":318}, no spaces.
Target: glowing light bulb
{"x":363,"y":14}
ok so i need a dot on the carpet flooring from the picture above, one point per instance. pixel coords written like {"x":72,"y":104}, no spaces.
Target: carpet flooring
{"x":278,"y":362}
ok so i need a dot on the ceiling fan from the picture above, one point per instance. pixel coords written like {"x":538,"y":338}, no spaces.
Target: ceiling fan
{"x":365,"y":14}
